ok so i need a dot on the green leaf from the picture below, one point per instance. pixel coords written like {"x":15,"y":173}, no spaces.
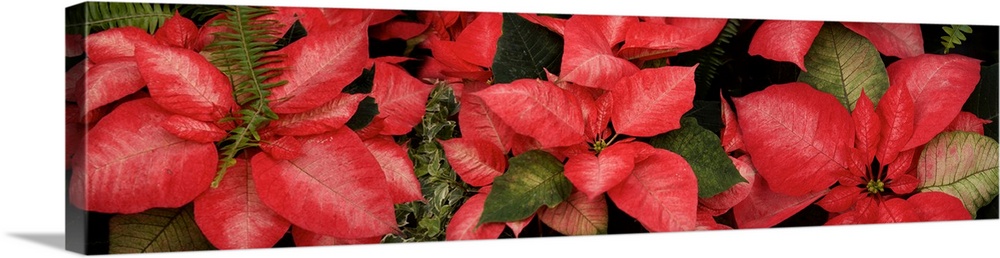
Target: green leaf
{"x":961,"y":164}
{"x":843,"y":63}
{"x":106,"y":15}
{"x":524,"y":50}
{"x":367,"y":110}
{"x":156,"y":230}
{"x":533,"y":179}
{"x":703,"y":151}
{"x":708,"y":113}
{"x":983,"y":101}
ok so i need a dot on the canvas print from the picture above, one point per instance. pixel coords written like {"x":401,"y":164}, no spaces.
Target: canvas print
{"x":209,"y":127}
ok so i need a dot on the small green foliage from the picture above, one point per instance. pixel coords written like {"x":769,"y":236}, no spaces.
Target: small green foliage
{"x":443,"y":191}
{"x":106,"y":15}
{"x":703,"y":151}
{"x":533,"y":179}
{"x":242,"y":53}
{"x":956,"y":34}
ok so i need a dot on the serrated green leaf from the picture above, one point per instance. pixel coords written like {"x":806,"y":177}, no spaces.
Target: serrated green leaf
{"x":367,"y":110}
{"x":156,"y":230}
{"x":533,"y":179}
{"x":843,"y":63}
{"x":703,"y":151}
{"x":983,"y":101}
{"x":525,"y":50}
{"x":961,"y":164}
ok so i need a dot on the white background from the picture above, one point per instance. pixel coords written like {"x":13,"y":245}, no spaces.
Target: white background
{"x":31,"y":149}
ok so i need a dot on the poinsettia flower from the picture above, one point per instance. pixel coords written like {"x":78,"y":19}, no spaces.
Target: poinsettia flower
{"x":869,"y":151}
{"x":789,"y":41}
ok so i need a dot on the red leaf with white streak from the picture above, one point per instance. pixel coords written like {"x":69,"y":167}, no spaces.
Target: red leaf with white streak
{"x":891,"y":39}
{"x":116,"y":43}
{"x":464,"y":225}
{"x":479,"y":39}
{"x":939,"y":85}
{"x":477,"y":121}
{"x":764,"y":208}
{"x":132,"y":164}
{"x":552,"y":23}
{"x":652,"y":101}
{"x":336,"y":170}
{"x":206,"y":34}
{"x":593,"y":175}
{"x":967,"y":122}
{"x":588,"y":59}
{"x":110,"y":81}
{"x":328,"y":117}
{"x":577,"y":215}
{"x":476,"y":161}
{"x":787,"y":41}
{"x":538,"y":109}
{"x":648,"y":40}
{"x":177,"y":31}
{"x":193,"y":130}
{"x":304,"y":237}
{"x":400,"y":97}
{"x":403,"y":185}
{"x":282,"y":148}
{"x":938,"y":206}
{"x":184,"y":82}
{"x":232,"y":216}
{"x":661,"y":193}
{"x":320,"y":65}
{"x":798,"y":136}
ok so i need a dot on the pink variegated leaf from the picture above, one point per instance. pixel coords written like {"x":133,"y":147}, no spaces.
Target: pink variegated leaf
{"x":786,"y":41}
{"x":588,"y":59}
{"x":401,"y":98}
{"x":132,"y":164}
{"x":335,"y":170}
{"x":479,"y":39}
{"x":939,"y":86}
{"x":325,"y":118}
{"x":319,"y":65}
{"x":402,"y":183}
{"x":967,"y":122}
{"x":193,"y":130}
{"x":577,"y":215}
{"x":177,"y":31}
{"x":891,"y":39}
{"x":117,"y":42}
{"x":282,"y":148}
{"x":110,"y":81}
{"x":475,"y":161}
{"x":478,"y":121}
{"x":185,"y":83}
{"x":464,"y":225}
{"x":538,"y":109}
{"x":661,"y":193}
{"x":731,"y":135}
{"x":652,"y":101}
{"x":764,"y":208}
{"x":722,"y":202}
{"x":593,"y":174}
{"x":232,"y":215}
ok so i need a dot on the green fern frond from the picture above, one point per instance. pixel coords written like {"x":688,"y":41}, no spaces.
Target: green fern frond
{"x":242,"y":53}
{"x":106,"y":15}
{"x":956,"y":34}
{"x":713,"y":55}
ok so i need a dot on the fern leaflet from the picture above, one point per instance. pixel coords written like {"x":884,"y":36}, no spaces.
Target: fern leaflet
{"x":242,"y":53}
